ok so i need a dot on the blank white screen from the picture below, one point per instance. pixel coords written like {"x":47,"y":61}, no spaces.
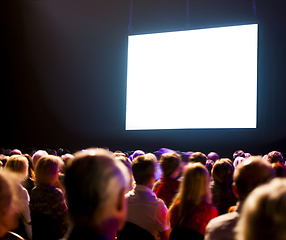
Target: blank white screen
{"x":193,"y":79}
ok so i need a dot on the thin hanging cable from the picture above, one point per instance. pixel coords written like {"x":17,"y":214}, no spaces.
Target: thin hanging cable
{"x":188,"y":13}
{"x":254,"y":9}
{"x":130,"y":16}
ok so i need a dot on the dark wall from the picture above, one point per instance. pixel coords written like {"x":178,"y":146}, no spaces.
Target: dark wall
{"x":63,"y":73}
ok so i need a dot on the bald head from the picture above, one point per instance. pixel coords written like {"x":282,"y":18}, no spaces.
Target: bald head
{"x":251,"y":173}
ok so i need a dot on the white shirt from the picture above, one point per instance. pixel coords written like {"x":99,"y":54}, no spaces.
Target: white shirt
{"x":146,"y":210}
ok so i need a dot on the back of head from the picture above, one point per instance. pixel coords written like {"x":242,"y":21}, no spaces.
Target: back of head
{"x":47,"y":170}
{"x":193,"y":189}
{"x":263,"y":215}
{"x":195,"y":184}
{"x":37,"y":155}
{"x":19,"y":165}
{"x":93,"y":181}
{"x":251,"y":173}
{"x":213,"y":156}
{"x":238,"y":153}
{"x":15,"y":152}
{"x":237,"y":161}
{"x":275,"y":156}
{"x":279,"y":168}
{"x":222,"y":171}
{"x":198,"y":157}
{"x":143,"y":168}
{"x":9,"y":205}
{"x":169,"y":163}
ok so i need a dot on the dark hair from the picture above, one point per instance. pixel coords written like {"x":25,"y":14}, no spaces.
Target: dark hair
{"x":251,"y":173}
{"x":238,"y":153}
{"x":169,"y":162}
{"x":143,"y":168}
{"x":279,"y":169}
{"x":275,"y":156}
{"x":198,"y":157}
{"x":223,"y":171}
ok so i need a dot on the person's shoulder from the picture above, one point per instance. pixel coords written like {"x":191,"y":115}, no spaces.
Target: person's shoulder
{"x":156,"y":185}
{"x":223,"y":221}
{"x":83,"y":232}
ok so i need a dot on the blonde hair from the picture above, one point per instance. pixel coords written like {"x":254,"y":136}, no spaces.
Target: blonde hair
{"x":18,"y":164}
{"x":193,"y":189}
{"x":9,"y":201}
{"x":47,"y":169}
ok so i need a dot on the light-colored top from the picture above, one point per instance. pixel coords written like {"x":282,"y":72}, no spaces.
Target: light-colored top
{"x":146,"y":210}
{"x":25,"y":213}
{"x":222,"y":227}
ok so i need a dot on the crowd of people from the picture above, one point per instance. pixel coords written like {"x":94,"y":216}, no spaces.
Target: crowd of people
{"x":98,"y":194}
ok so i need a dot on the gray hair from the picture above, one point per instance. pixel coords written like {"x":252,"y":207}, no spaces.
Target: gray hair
{"x":93,"y":181}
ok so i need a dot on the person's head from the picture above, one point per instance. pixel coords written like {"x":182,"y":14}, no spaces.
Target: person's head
{"x":222,"y":171}
{"x":237,"y":161}
{"x":263,"y":214}
{"x":209,"y":165}
{"x":198,"y":157}
{"x":30,"y":151}
{"x":275,"y":156}
{"x":251,"y":173}
{"x":144,"y":169}
{"x":170,"y":163}
{"x":127,"y":162}
{"x":37,"y":155}
{"x":135,"y":154}
{"x":47,"y":170}
{"x":280,"y":169}
{"x":95,"y":184}
{"x":195,"y":184}
{"x":238,"y":153}
{"x":15,"y":152}
{"x":18,"y":164}
{"x":193,"y":189}
{"x":213,"y":156}
{"x":9,"y":205}
{"x":31,"y":172}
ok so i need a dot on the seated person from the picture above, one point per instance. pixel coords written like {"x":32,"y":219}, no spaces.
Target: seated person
{"x":222,"y":195}
{"x":249,"y":174}
{"x":168,"y":185}
{"x":18,"y":164}
{"x":263,"y":214}
{"x":8,"y":206}
{"x":192,"y":206}
{"x":47,"y":201}
{"x":95,"y":184}
{"x":144,"y":208}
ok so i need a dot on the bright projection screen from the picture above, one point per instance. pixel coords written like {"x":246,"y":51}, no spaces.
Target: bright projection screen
{"x":193,"y":79}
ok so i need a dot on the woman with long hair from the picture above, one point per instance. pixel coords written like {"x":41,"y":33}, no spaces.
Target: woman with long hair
{"x":192,"y":208}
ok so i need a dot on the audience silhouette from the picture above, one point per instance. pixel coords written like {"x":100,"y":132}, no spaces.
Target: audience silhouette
{"x":94,"y":193}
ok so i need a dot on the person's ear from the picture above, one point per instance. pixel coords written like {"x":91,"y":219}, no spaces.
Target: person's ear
{"x":121,"y":200}
{"x":234,"y":189}
{"x":121,"y":209}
